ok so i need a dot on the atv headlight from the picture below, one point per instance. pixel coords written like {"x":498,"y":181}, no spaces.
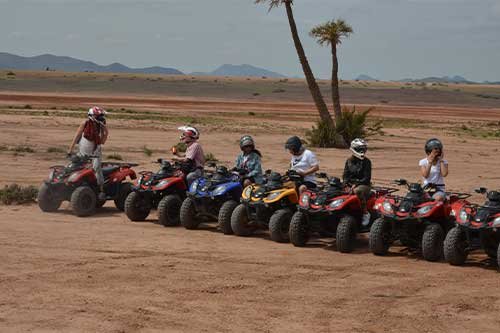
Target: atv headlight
{"x":387,"y":207}
{"x":463,"y":216}
{"x":304,"y":200}
{"x":424,"y":210}
{"x":219,"y":190}
{"x":248,"y":192}
{"x":336,"y":203}
{"x":496,"y":222}
{"x":194,"y":186}
{"x":273,"y":195}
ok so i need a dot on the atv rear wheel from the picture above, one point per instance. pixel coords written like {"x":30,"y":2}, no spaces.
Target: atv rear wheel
{"x":224,"y":219}
{"x":380,"y":237}
{"x":240,"y":221}
{"x":47,"y":200}
{"x":83,"y":201}
{"x":279,"y":225}
{"x":136,"y":207}
{"x":491,"y":252}
{"x":432,"y":242}
{"x":123,"y":192}
{"x":188,"y":214}
{"x":346,"y":234}
{"x":299,"y":229}
{"x":455,"y":245}
{"x":169,"y":210}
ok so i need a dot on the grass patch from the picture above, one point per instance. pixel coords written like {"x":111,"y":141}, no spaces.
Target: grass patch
{"x":209,"y":157}
{"x":115,"y":156}
{"x":11,"y":74}
{"x":28,"y":107}
{"x":55,"y":150}
{"x":17,"y":194}
{"x":251,"y":113}
{"x":147,"y":151}
{"x":23,"y":149}
{"x":4,"y":148}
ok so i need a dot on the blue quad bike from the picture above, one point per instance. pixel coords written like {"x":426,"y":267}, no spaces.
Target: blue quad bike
{"x":213,"y":197}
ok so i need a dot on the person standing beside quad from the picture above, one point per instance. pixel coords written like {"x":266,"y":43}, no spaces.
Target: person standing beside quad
{"x":90,"y":136}
{"x":303,"y":161}
{"x":358,"y":174}
{"x":249,"y":160}
{"x":434,"y":168}
{"x":194,"y":155}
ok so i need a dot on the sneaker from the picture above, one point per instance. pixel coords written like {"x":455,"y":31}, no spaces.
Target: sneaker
{"x":366,"y":220}
{"x":101,"y":196}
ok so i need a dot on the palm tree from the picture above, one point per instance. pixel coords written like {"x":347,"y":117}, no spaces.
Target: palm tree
{"x":311,"y":81}
{"x":332,"y":33}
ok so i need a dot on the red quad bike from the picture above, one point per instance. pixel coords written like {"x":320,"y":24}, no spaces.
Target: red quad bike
{"x":333,"y":210}
{"x":416,"y":220}
{"x":477,"y":228}
{"x":76,"y":183}
{"x":164,"y":190}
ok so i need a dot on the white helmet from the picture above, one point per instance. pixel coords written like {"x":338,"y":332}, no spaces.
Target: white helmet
{"x":359,"y":148}
{"x":189,"y":131}
{"x":96,"y":112}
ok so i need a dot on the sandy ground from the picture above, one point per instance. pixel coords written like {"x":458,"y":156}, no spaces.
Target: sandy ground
{"x":104,"y":273}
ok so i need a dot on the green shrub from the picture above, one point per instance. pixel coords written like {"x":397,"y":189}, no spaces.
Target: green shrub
{"x":251,"y":113}
{"x":352,"y":124}
{"x":209,"y":157}
{"x":147,"y":151}
{"x":28,"y":107}
{"x":23,"y":149}
{"x":115,"y":156}
{"x":11,"y":74}
{"x":55,"y":150}
{"x":17,"y":194}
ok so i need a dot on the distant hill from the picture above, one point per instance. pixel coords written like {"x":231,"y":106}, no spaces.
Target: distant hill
{"x":443,"y":79}
{"x":241,"y":70}
{"x":42,"y":62}
{"x":364,"y":77}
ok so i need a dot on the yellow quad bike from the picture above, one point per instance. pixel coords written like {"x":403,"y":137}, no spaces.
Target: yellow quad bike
{"x":268,"y":206}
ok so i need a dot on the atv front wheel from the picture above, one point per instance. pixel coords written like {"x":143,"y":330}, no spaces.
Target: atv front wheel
{"x":47,"y":200}
{"x":346,"y":234}
{"x":83,"y":201}
{"x":224,"y":219}
{"x":136,"y":207}
{"x":279,"y":225}
{"x":299,"y":229}
{"x":455,"y":245}
{"x":123,"y":192}
{"x":240,"y":221}
{"x":380,"y":237}
{"x":169,"y":210}
{"x":432,"y":242}
{"x":188,"y":214}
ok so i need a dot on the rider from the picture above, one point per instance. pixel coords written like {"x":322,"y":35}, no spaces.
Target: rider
{"x":358,"y":174}
{"x":194,"y":156}
{"x":90,"y":136}
{"x":249,"y":160}
{"x":434,"y":168}
{"x":303,"y":161}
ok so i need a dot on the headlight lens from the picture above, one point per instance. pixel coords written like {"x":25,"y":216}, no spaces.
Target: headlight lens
{"x":194,"y":186}
{"x":336,"y":203}
{"x":463,"y":216}
{"x":219,"y":190}
{"x":387,"y":207}
{"x":248,"y":192}
{"x":496,"y":222}
{"x":304,"y":200}
{"x":424,"y":210}
{"x":273,"y":195}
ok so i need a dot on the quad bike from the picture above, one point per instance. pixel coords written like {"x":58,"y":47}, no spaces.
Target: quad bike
{"x":416,"y":220}
{"x":476,"y":228}
{"x":268,"y":206}
{"x":164,"y":190}
{"x":76,"y":183}
{"x":333,"y":210}
{"x":212,"y":197}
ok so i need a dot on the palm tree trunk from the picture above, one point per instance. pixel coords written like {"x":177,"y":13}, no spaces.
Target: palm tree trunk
{"x":335,"y":83}
{"x":311,"y":81}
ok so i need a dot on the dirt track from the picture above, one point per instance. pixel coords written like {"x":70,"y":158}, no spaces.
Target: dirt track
{"x":104,"y":273}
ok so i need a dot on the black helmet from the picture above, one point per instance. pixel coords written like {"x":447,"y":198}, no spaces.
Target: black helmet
{"x":335,"y":182}
{"x":294,"y":144}
{"x":433,"y":144}
{"x":246,"y":140}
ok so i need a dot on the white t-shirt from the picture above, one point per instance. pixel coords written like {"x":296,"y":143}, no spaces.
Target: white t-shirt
{"x":304,"y":162}
{"x":435,"y":176}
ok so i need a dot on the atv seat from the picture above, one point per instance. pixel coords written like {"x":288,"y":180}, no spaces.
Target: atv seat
{"x":109,"y":170}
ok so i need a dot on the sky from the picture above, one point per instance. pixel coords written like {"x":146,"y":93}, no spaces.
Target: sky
{"x":393,"y":39}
